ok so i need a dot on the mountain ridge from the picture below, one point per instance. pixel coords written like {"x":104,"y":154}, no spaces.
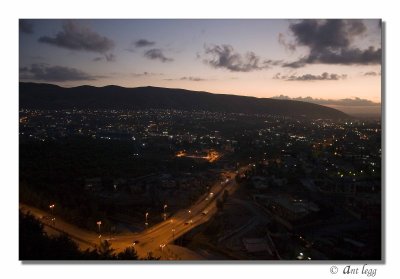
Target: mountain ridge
{"x":51,"y":96}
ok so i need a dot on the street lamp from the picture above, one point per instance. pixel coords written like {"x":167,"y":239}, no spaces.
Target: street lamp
{"x":51,"y":206}
{"x":99,"y":224}
{"x":190,"y":216}
{"x":162,"y":247}
{"x":146,"y":223}
{"x":165,"y":215}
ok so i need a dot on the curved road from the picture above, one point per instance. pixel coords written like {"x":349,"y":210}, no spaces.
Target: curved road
{"x":159,"y":235}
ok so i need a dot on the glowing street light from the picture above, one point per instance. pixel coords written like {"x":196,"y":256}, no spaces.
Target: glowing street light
{"x":165,"y":215}
{"x":162,"y":246}
{"x":190,"y":216}
{"x":99,"y":224}
{"x":173,"y":234}
{"x":146,"y":223}
{"x":51,"y":206}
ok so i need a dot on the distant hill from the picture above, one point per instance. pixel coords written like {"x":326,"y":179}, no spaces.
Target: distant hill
{"x":48,"y":96}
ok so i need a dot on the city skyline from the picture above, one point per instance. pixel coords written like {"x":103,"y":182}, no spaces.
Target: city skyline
{"x":261,"y":58}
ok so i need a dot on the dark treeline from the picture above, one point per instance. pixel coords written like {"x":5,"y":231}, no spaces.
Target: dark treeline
{"x":36,"y":244}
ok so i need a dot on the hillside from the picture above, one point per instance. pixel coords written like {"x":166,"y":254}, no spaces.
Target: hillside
{"x":48,"y":96}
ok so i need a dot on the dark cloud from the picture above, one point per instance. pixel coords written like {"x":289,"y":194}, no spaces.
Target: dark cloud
{"x":321,"y":34}
{"x":347,"y":56}
{"x":330,"y":42}
{"x":356,"y":27}
{"x":310,"y":77}
{"x":224,"y":56}
{"x":78,"y":37}
{"x":296,"y":64}
{"x":339,"y":102}
{"x":109,"y":57}
{"x":144,"y":43}
{"x":25,"y":26}
{"x":53,"y":73}
{"x":372,"y":74}
{"x":157,"y":54}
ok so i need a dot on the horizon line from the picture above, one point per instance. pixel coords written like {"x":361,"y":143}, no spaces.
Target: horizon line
{"x":219,"y":93}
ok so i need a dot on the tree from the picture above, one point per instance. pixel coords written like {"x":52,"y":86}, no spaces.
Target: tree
{"x":31,"y":238}
{"x":150,"y":257}
{"x":64,"y":248}
{"x":105,"y":251}
{"x":128,"y":254}
{"x":35,"y":244}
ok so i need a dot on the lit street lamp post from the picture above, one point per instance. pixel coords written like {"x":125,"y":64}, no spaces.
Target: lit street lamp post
{"x":162,"y":247}
{"x":146,"y":223}
{"x":99,"y":224}
{"x":190,"y":217}
{"x":51,"y":206}
{"x":173,"y":234}
{"x":165,"y":215}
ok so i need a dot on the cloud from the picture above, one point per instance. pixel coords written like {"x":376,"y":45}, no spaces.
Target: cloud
{"x":144,"y":43}
{"x":354,"y":102}
{"x":310,"y":77}
{"x":146,"y":74}
{"x":25,"y":26}
{"x":288,"y":46}
{"x":192,"y":78}
{"x":330,"y":42}
{"x":296,"y":64}
{"x":225,"y":57}
{"x":78,"y":37}
{"x":139,"y":44}
{"x":109,"y":57}
{"x":157,"y":54}
{"x":188,"y":78}
{"x":372,"y":73}
{"x":54,"y":73}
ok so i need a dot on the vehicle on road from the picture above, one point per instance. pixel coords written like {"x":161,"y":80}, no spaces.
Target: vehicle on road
{"x":205,"y":212}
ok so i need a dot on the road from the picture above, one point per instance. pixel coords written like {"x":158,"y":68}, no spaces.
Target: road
{"x":156,"y":237}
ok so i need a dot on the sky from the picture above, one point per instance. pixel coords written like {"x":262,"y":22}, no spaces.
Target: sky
{"x":335,"y":62}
